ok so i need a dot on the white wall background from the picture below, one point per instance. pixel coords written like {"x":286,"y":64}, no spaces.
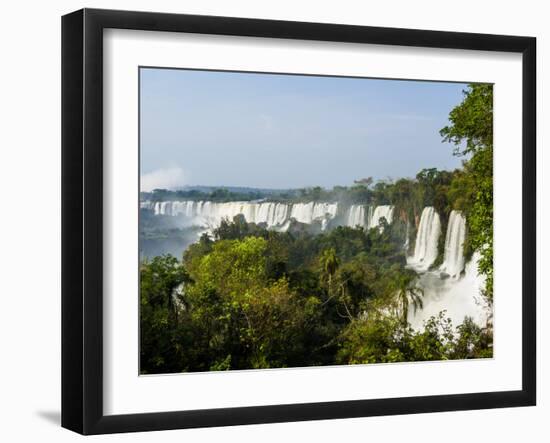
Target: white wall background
{"x":30,"y":218}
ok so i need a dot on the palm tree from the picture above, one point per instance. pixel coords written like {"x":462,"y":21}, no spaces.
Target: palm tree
{"x":407,"y":293}
{"x":329,"y":262}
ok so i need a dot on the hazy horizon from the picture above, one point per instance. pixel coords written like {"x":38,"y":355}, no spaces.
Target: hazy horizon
{"x":277,"y":131}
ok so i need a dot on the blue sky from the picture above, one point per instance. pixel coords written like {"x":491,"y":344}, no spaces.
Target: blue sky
{"x":287,"y":131}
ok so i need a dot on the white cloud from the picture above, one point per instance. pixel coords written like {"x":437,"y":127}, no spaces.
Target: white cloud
{"x":162,"y":179}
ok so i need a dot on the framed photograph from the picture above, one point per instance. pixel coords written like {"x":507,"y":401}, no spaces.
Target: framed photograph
{"x":269,"y":221}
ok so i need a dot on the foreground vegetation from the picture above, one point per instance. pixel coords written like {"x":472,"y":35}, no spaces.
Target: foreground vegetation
{"x":252,"y":298}
{"x":247,"y":298}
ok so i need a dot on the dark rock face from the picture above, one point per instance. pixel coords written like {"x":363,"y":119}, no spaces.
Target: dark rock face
{"x":297,"y":228}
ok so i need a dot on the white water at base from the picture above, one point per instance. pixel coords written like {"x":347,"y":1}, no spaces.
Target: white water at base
{"x":459,"y":298}
{"x":427,"y":238}
{"x":453,"y":261}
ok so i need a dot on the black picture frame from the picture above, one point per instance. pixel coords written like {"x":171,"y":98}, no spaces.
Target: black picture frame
{"x":82,"y":218}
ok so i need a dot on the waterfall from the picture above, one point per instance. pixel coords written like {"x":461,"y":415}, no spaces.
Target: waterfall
{"x":406,"y":244}
{"x":459,"y":298}
{"x":307,"y":212}
{"x":384,"y":211}
{"x":358,"y":215}
{"x":274,"y":215}
{"x":453,"y":261}
{"x":459,"y":295}
{"x":427,"y":237}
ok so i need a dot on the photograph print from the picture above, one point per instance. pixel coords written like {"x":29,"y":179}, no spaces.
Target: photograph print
{"x":293,"y":221}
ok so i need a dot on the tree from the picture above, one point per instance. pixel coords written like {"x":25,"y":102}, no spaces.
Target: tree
{"x":366,"y":182}
{"x":159,"y":280}
{"x":383,"y":339}
{"x":471,"y":131}
{"x":471,"y":121}
{"x":329,"y":263}
{"x":406,"y":293}
{"x":355,"y":280}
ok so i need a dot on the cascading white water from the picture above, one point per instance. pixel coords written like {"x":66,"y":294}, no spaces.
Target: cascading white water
{"x":459,"y":295}
{"x":427,"y":237}
{"x":453,"y":261}
{"x":274,"y":215}
{"x":356,"y":216}
{"x":308,"y":212}
{"x":359,"y":215}
{"x":384,"y":211}
{"x":459,"y":298}
{"x":407,"y":231}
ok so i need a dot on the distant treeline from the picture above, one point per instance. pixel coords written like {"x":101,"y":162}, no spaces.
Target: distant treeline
{"x":224,"y":194}
{"x":363,"y":191}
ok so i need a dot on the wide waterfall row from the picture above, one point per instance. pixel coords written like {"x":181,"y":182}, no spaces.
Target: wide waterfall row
{"x":427,"y":238}
{"x":208,"y":213}
{"x":453,"y":262}
{"x":274,"y":215}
